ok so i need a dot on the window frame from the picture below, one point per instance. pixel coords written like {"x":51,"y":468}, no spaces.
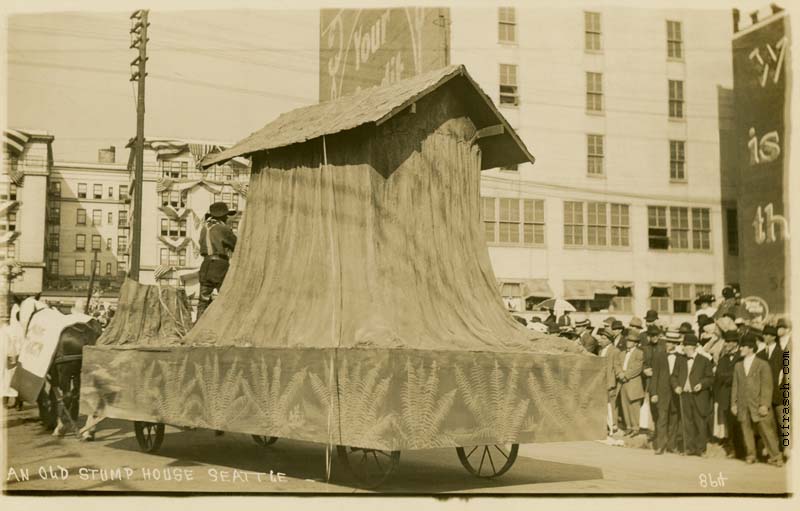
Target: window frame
{"x":677,"y":161}
{"x":80,"y":242}
{"x":80,"y":216}
{"x":506,"y":72}
{"x":677,"y":101}
{"x":606,"y":229}
{"x":80,"y":263}
{"x":97,"y":191}
{"x":674,"y":41}
{"x":594,"y":92}
{"x":82,"y":190}
{"x":506,"y":25}
{"x":592,"y":31}
{"x":97,"y":217}
{"x":595,"y":154}
{"x":491,"y":220}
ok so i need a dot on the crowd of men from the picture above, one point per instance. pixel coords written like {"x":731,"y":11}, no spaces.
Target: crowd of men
{"x":719,"y":380}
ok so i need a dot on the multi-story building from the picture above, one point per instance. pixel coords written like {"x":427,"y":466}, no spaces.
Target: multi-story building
{"x":58,"y":218}
{"x":622,"y":210}
{"x":23,"y":188}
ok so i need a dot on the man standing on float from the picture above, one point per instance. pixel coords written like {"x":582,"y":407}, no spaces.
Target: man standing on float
{"x":217,"y":242}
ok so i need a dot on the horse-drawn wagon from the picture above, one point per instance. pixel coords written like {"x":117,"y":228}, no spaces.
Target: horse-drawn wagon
{"x":361,"y":310}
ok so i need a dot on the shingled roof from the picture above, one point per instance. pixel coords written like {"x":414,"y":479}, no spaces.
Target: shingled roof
{"x":499,"y":143}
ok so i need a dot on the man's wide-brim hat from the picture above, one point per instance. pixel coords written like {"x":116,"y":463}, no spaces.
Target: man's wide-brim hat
{"x":220,"y":210}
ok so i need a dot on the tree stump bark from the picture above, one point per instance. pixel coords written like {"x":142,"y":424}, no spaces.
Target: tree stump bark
{"x":149,"y":315}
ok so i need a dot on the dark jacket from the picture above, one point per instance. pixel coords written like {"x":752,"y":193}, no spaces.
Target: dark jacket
{"x":702,"y":373}
{"x":649,"y":350}
{"x":216,"y":238}
{"x":723,"y":380}
{"x":775,"y":366}
{"x":659,"y":384}
{"x":588,"y":342}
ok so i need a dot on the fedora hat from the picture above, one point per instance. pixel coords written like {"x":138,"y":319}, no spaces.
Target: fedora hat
{"x":651,"y":316}
{"x":690,"y":340}
{"x":220,"y":210}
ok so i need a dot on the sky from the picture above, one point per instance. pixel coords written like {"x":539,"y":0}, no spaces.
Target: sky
{"x":212,"y":74}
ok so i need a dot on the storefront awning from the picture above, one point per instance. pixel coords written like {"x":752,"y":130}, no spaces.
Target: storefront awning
{"x":536,"y":287}
{"x":587,"y":289}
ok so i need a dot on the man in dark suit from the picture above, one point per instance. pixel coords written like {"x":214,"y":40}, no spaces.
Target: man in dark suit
{"x":663,"y":400}
{"x":772,"y":354}
{"x":692,"y":380}
{"x":726,"y":426}
{"x":618,"y":329}
{"x":583,"y":327}
{"x":632,"y":391}
{"x":751,"y":400}
{"x":650,"y":343}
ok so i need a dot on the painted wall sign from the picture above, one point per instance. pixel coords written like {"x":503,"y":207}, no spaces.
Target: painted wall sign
{"x":361,"y":48}
{"x":761,"y":77}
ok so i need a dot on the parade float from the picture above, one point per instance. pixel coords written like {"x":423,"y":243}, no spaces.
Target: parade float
{"x":361,"y":310}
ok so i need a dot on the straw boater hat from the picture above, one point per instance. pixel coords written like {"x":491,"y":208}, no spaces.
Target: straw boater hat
{"x":673,"y":336}
{"x":583,"y":322}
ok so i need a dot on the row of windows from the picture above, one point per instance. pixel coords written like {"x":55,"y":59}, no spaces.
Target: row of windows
{"x":177,"y":199}
{"x":509,"y":92}
{"x":180,"y":170}
{"x":8,"y":192}
{"x":594,"y":224}
{"x":595,"y":157}
{"x":8,"y":251}
{"x":9,"y":223}
{"x":676,"y":298}
{"x":80,"y":267}
{"x":54,"y":216}
{"x":97,"y":242}
{"x":593,"y":34}
{"x":97,"y":191}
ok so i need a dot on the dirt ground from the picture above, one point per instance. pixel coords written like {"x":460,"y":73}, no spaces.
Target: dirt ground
{"x":199,"y":461}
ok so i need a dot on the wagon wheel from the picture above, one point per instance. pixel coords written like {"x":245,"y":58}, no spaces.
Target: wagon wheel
{"x":48,"y":407}
{"x":488,"y":461}
{"x":264,"y":441}
{"x":149,"y":435}
{"x":370,"y":467}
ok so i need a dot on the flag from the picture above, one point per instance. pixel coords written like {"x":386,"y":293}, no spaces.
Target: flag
{"x":175,"y":244}
{"x":174,"y":214}
{"x":7,"y":237}
{"x":161,"y":271}
{"x":168,"y":148}
{"x":14,"y":142}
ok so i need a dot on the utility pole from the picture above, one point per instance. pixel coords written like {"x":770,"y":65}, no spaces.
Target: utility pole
{"x":138,"y":73}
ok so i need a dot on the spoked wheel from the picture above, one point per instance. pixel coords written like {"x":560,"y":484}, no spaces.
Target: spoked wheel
{"x":149,"y":435}
{"x":370,"y":467}
{"x":488,"y":460}
{"x":264,"y":441}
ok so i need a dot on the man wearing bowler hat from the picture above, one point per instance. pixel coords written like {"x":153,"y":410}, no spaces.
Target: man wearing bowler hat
{"x":632,"y":392}
{"x":751,"y":401}
{"x":726,"y":426}
{"x":617,"y":328}
{"x":692,"y":380}
{"x":217,"y":242}
{"x":663,"y":400}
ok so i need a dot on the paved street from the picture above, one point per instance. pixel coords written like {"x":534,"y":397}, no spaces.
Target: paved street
{"x":198,"y":461}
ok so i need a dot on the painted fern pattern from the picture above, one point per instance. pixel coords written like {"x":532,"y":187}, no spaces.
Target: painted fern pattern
{"x":147,"y":386}
{"x":221,"y":398}
{"x":493,"y":399}
{"x":543,"y":385}
{"x":424,"y":407}
{"x":174,"y":404}
{"x":271,"y":402}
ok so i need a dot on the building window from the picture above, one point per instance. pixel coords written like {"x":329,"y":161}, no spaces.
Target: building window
{"x":110,"y":192}
{"x":489,"y":218}
{"x":509,"y":93}
{"x":176,"y":199}
{"x":509,"y":221}
{"x":80,"y":267}
{"x":174,"y":169}
{"x":596,"y":224}
{"x":54,"y":215}
{"x":533,"y":218}
{"x":171,"y":257}
{"x":81,"y":218}
{"x":173,"y":228}
{"x":231,"y":199}
{"x":573,"y":223}
{"x":80,"y":242}
{"x":682,"y":298}
{"x":659,"y":299}
{"x":122,"y":219}
{"x":121,"y":268}
{"x":97,"y":191}
{"x":595,"y":155}
{"x":110,"y":218}
{"x":507,"y":26}
{"x":122,"y":244}
{"x":606,"y":224}
{"x":55,"y":189}
{"x":108,"y":243}
{"x":97,"y":242}
{"x":519,"y":221}
{"x":599,"y":296}
{"x":53,"y":267}
{"x":12,"y":191}
{"x":592,"y":29}
{"x":703,"y":289}
{"x":674,"y":40}
{"x":732,"y":225}
{"x":657,"y":231}
{"x":108,"y":269}
{"x":81,"y":190}
{"x":97,"y":217}
{"x":676,"y":99}
{"x":677,"y":160}
{"x":679,"y":228}
{"x":620,"y":225}
{"x":701,"y":229}
{"x":53,"y":241}
{"x":123,"y":192}
{"x":594,"y":92}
